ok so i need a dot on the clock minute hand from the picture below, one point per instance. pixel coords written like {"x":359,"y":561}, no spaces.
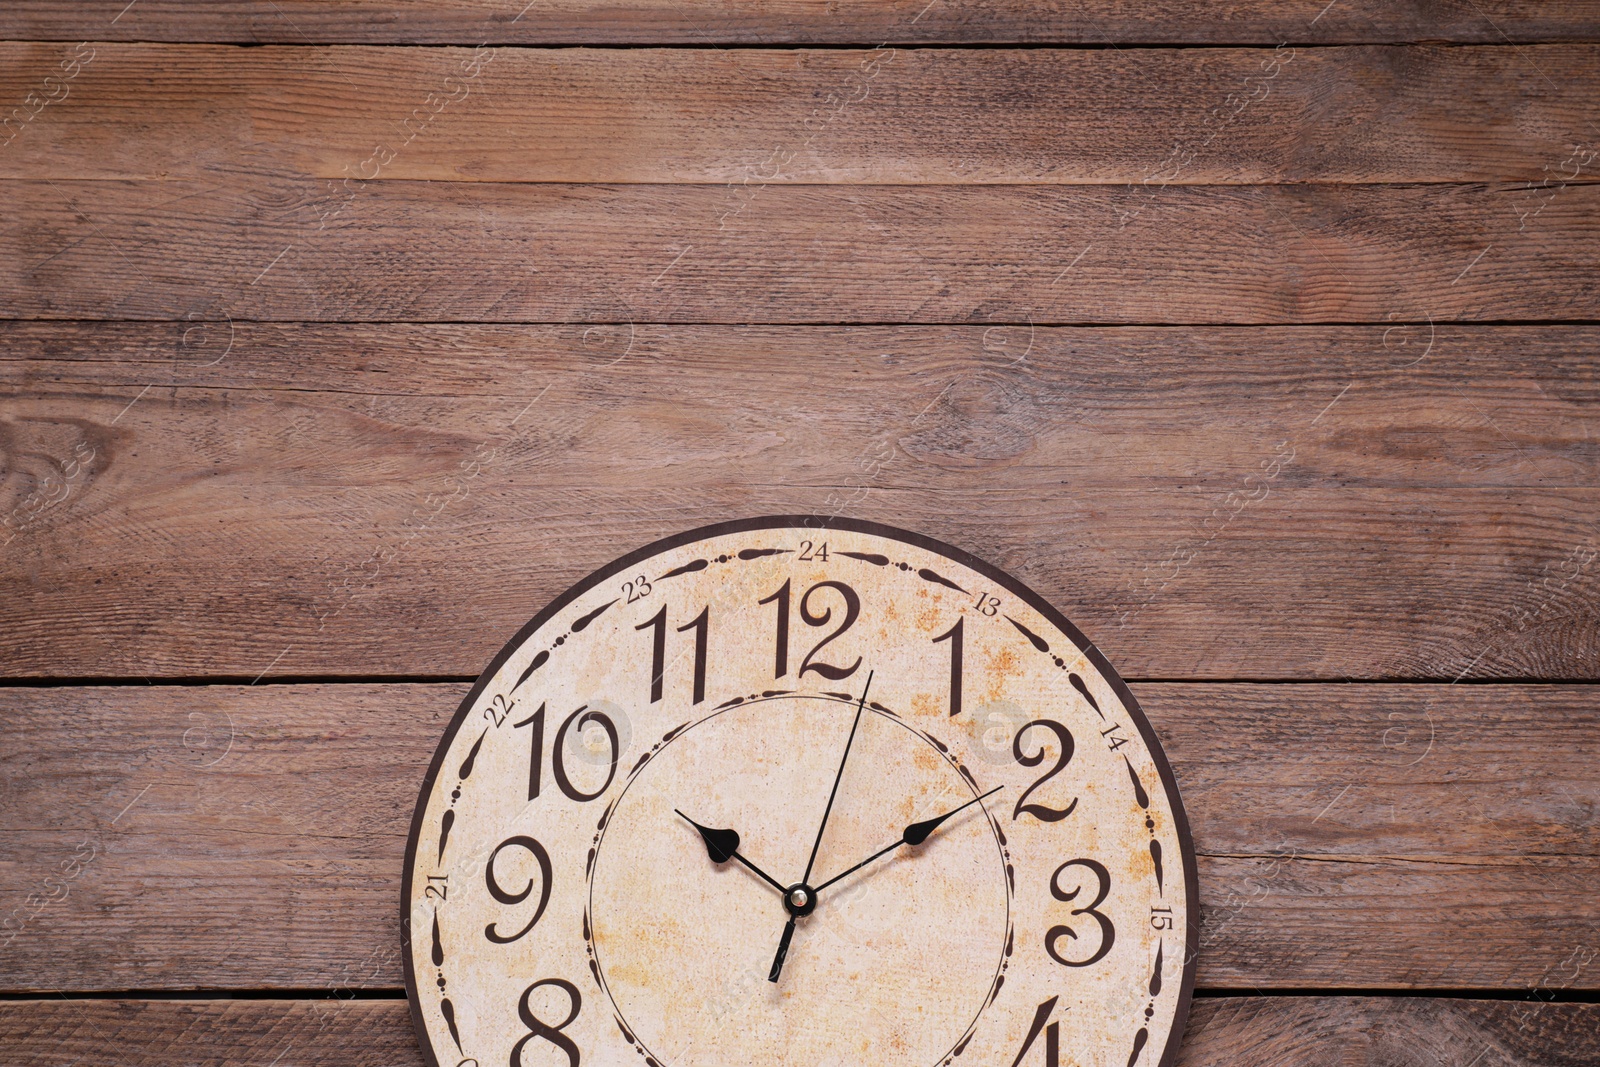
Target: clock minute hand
{"x":915,"y":834}
{"x":723,"y":845}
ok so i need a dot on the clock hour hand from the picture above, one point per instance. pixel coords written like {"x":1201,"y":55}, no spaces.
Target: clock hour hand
{"x":723,"y":845}
{"x":915,"y":834}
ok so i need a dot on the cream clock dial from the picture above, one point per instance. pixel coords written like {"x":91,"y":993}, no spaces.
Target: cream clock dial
{"x":799,"y":791}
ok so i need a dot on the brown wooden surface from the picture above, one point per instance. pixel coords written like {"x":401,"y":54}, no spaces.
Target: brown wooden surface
{"x":1353,"y":439}
{"x":1349,"y":836}
{"x":1434,"y":518}
{"x":286,"y":249}
{"x":704,"y":22}
{"x":1225,"y":1032}
{"x":1034,"y":116}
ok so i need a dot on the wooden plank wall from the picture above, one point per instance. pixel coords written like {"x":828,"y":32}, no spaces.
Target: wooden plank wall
{"x":1262,"y":338}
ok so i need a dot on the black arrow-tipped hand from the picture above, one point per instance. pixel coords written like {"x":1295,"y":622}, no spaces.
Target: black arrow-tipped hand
{"x":723,"y":845}
{"x":915,"y":834}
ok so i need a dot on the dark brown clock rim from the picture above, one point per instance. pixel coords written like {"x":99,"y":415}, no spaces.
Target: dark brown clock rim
{"x":820,"y":522}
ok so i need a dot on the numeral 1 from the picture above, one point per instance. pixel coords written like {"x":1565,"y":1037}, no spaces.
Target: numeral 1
{"x":699,"y":625}
{"x":658,"y":651}
{"x":953,"y":635}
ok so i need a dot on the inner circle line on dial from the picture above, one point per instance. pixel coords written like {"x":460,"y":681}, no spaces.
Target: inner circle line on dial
{"x":735,"y":705}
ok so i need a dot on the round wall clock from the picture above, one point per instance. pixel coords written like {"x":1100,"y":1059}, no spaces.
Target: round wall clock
{"x":799,"y":791}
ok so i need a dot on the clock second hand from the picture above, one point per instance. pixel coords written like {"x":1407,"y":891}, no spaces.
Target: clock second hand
{"x":799,"y":899}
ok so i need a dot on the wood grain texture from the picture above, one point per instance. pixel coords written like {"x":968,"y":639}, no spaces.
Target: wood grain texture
{"x":1222,"y":1032}
{"x":1454,"y":406}
{"x":484,"y":252}
{"x":215,"y":500}
{"x":757,"y":117}
{"x":1422,"y":837}
{"x":706,"y":22}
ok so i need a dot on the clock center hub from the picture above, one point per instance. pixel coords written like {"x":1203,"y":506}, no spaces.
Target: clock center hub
{"x":800,"y":900}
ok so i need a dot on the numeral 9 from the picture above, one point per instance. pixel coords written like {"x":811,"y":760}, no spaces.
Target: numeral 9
{"x":499,"y":893}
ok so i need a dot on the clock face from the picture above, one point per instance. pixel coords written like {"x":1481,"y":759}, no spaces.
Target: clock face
{"x":799,"y":791}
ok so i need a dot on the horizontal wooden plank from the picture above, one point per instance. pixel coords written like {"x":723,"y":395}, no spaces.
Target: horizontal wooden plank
{"x":1150,"y":407}
{"x":1322,"y":1031}
{"x":705,"y":22}
{"x":758,"y":117}
{"x":1349,"y":836}
{"x":484,"y":252}
{"x":216,"y":500}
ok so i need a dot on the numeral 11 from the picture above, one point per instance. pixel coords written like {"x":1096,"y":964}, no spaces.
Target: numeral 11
{"x":658,"y":650}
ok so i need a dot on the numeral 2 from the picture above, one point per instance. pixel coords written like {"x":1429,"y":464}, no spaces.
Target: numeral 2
{"x":852,"y":611}
{"x":1039,"y":811}
{"x":658,"y":651}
